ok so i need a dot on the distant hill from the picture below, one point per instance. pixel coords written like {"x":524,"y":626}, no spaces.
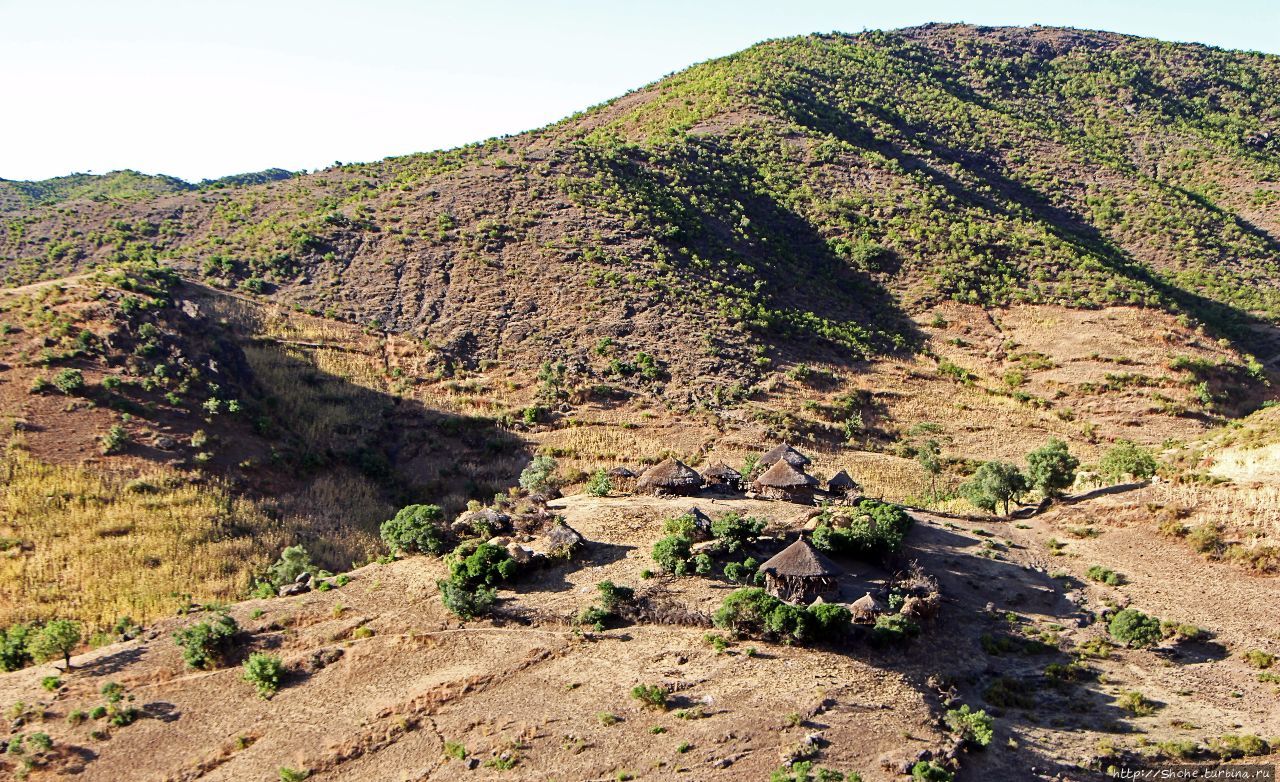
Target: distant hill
{"x":126,"y":185}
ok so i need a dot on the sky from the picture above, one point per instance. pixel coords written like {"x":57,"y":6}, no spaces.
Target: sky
{"x":205,"y":88}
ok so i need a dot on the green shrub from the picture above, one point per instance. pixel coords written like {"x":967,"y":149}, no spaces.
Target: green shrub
{"x":466,"y":602}
{"x":265,"y":672}
{"x":877,"y":530}
{"x":205,"y":644}
{"x":612,"y":597}
{"x":293,"y":775}
{"x":14,"y":652}
{"x":744,"y":572}
{"x":1136,"y":704}
{"x":69,"y":381}
{"x":805,"y":771}
{"x":830,"y":619}
{"x":486,"y":566}
{"x":293,"y":562}
{"x":40,"y":741}
{"x":1237,"y":746}
{"x":1134,"y":628}
{"x":1104,"y":575}
{"x":1206,"y":539}
{"x":752,"y":611}
{"x":735,"y":531}
{"x":1127,"y":459}
{"x":974,"y":727}
{"x":928,"y":771}
{"x":455,"y":750}
{"x":672,"y":554}
{"x":599,"y":484}
{"x":114,"y":440}
{"x":539,"y":475}
{"x":415,"y":528}
{"x":652,"y":695}
{"x":51,"y":683}
{"x":893,"y":629}
{"x":1259,"y":659}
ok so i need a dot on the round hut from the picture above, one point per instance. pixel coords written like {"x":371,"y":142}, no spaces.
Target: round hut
{"x":799,"y":573}
{"x":721,"y":474}
{"x":843,"y":484}
{"x":701,"y":523}
{"x":866,"y":608}
{"x":669,"y":476}
{"x":783,"y":481}
{"x":622,"y":479}
{"x":785,"y":453}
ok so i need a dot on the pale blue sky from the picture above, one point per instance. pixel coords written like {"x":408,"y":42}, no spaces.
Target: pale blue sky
{"x":203,"y":89}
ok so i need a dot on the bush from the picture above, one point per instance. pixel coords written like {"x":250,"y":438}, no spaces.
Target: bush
{"x":539,"y":475}
{"x":205,"y":644}
{"x":293,"y":562}
{"x":893,"y":629}
{"x":264,"y":672}
{"x":1136,"y":704}
{"x":672,"y":554}
{"x":114,"y":440}
{"x":69,"y":381}
{"x":830,"y":619}
{"x":1259,"y":659}
{"x":1134,"y":628}
{"x":57,"y":638}
{"x":599,"y":485}
{"x":486,"y":566}
{"x":735,"y":531}
{"x":1206,"y":539}
{"x":753,"y":611}
{"x":1104,"y":575}
{"x":612,"y":597}
{"x":789,"y":622}
{"x":928,"y":771}
{"x":1052,"y":469}
{"x":415,"y":528}
{"x":745,"y":611}
{"x":1127,"y":459}
{"x":878,"y":530}
{"x":465,"y":602}
{"x":51,"y":683}
{"x":974,"y":727}
{"x":804,"y":771}
{"x":744,"y":572}
{"x":651,"y":695}
{"x":14,"y":653}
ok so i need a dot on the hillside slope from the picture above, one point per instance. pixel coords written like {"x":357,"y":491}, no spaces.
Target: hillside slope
{"x":796,"y":201}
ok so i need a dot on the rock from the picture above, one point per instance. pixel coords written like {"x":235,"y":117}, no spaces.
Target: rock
{"x":164,"y":442}
{"x":483,"y":521}
{"x":303,"y":578}
{"x":705,"y":547}
{"x":289,"y":590}
{"x":189,"y":308}
{"x":519,"y":553}
{"x":560,"y":541}
{"x":722,"y":763}
{"x":472,"y":764}
{"x":321,"y":658}
{"x":501,"y":541}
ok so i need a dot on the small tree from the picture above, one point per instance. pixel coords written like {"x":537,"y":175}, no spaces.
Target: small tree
{"x":539,"y":476}
{"x":994,"y":484}
{"x":465,"y":602}
{"x":14,"y":647}
{"x":1127,"y":458}
{"x":736,"y":531}
{"x":930,"y":458}
{"x":1052,"y":469}
{"x":672,"y":554}
{"x":486,"y":566}
{"x":69,"y":381}
{"x":974,"y":727}
{"x":599,"y":485}
{"x":58,"y":638}
{"x":205,"y":643}
{"x":415,"y":528}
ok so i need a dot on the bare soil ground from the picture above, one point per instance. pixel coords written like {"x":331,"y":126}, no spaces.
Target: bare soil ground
{"x":530,"y":687}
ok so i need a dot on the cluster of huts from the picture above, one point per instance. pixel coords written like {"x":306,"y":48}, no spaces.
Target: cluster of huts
{"x":778,"y":475}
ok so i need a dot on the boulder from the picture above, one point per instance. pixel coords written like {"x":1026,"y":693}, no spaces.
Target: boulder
{"x":296,"y":588}
{"x":165,"y":443}
{"x":560,"y":541}
{"x":303,"y":578}
{"x":520,"y":554}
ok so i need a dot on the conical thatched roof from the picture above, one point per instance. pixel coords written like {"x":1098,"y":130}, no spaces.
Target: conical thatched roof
{"x":670,"y":473}
{"x":699,"y":518}
{"x":867,"y":605}
{"x":621,"y":472}
{"x":722,"y":471}
{"x":782,"y":475}
{"x":784,"y":452}
{"x":800,"y":560}
{"x":842,"y":482}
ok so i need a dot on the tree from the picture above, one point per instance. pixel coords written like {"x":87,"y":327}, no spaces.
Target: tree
{"x":465,"y":602}
{"x":929,"y":457}
{"x":736,"y":531}
{"x":1134,"y":628}
{"x":1127,"y":458}
{"x":205,"y":643}
{"x":58,"y":638}
{"x":994,"y":484}
{"x":14,"y":650}
{"x":486,"y":566}
{"x":539,"y":476}
{"x":672,"y":554}
{"x":1052,"y":468}
{"x":415,"y":528}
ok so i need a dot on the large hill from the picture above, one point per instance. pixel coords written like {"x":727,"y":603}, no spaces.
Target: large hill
{"x":801,"y":198}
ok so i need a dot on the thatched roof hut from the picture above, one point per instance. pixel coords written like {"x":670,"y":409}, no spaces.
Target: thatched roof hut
{"x":783,"y":481}
{"x":787,"y":453}
{"x":866,"y":608}
{"x":721,"y":474}
{"x":799,"y":573}
{"x":701,"y":523}
{"x":670,"y":476}
{"x":843,"y":483}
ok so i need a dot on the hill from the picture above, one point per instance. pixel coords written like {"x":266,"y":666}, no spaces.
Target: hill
{"x":116,"y":186}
